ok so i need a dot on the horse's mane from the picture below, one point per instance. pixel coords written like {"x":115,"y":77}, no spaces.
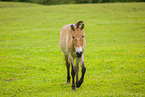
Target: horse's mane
{"x":79,"y":23}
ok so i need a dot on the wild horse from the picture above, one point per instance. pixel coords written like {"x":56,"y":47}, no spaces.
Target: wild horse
{"x":72,"y":44}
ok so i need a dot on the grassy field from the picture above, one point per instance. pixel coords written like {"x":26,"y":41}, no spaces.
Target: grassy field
{"x":31,"y":63}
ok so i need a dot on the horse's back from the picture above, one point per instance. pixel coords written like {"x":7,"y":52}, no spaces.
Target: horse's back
{"x":63,"y":38}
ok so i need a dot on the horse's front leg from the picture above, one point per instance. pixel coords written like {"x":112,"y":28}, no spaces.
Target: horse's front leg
{"x":77,"y":69}
{"x":72,"y":72}
{"x":83,"y":71}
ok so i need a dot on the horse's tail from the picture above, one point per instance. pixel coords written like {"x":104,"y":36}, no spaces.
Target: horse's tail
{"x":79,"y":23}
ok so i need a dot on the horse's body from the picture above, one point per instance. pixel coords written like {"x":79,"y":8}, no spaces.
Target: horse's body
{"x":72,"y":44}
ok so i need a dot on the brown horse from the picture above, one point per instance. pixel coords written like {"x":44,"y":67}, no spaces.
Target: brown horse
{"x":72,"y":44}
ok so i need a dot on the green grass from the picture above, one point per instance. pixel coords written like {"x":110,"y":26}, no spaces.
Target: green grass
{"x":31,"y":63}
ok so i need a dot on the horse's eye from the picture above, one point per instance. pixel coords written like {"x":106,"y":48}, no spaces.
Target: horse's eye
{"x":82,"y":37}
{"x":73,"y":37}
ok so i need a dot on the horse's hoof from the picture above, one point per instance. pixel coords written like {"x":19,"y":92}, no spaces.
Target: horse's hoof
{"x":73,"y":89}
{"x":68,"y":83}
{"x":78,"y":84}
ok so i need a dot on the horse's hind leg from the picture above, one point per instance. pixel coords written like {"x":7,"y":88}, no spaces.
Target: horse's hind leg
{"x":68,"y":69}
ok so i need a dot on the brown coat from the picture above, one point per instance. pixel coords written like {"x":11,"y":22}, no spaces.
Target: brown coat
{"x":72,"y":44}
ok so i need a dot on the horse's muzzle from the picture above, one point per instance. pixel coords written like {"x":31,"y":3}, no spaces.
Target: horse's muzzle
{"x":79,"y":54}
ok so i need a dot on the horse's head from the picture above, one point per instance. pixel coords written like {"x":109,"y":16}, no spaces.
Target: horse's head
{"x":78,"y":38}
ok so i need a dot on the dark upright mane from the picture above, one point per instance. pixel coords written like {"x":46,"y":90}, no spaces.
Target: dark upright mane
{"x":79,"y":23}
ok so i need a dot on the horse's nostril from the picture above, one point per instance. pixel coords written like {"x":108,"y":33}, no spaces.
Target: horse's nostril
{"x":79,"y":54}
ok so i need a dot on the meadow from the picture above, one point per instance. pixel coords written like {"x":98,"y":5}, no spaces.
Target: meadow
{"x":31,"y":63}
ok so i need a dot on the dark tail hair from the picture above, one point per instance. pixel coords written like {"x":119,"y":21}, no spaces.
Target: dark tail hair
{"x":79,"y":23}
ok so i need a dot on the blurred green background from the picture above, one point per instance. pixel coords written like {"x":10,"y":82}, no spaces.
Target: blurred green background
{"x":32,"y":64}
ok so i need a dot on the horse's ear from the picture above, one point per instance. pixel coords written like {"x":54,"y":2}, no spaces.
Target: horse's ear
{"x":82,"y":27}
{"x":72,"y":27}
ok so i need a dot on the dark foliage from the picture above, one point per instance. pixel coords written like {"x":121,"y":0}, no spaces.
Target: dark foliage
{"x":50,"y":2}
